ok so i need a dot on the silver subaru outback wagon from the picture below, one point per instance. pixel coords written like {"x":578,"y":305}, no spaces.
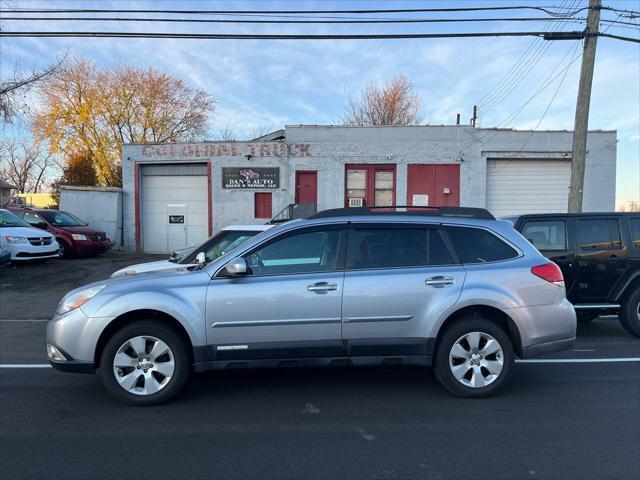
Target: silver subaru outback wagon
{"x":450,"y":288}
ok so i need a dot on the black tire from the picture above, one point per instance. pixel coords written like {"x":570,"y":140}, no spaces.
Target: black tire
{"x":586,"y":317}
{"x":65,"y":249}
{"x":629,"y":314}
{"x":451,"y":336}
{"x":162,"y":332}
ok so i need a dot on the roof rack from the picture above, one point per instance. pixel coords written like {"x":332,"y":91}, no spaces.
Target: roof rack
{"x":466,"y":212}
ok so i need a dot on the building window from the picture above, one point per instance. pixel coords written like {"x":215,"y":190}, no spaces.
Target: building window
{"x":370,"y":185}
{"x":262,"y":205}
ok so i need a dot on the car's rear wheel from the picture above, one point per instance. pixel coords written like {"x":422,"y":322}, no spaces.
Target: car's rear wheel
{"x":144,"y":364}
{"x":629,"y":314}
{"x":474,"y":358}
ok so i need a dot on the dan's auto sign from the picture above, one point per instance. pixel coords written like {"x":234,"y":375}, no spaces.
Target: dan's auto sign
{"x":254,"y":177}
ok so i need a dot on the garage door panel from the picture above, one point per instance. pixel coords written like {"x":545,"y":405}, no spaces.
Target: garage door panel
{"x":527,"y":186}
{"x":160,"y":191}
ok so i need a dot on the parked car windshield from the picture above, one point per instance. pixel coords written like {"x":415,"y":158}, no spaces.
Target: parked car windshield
{"x":219,"y":245}
{"x":8,"y":219}
{"x":62,"y":219}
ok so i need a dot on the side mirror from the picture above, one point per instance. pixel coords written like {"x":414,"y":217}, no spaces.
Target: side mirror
{"x":200,"y":258}
{"x":236,"y":267}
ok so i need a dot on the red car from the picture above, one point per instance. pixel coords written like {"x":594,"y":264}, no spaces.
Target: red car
{"x":73,"y":235}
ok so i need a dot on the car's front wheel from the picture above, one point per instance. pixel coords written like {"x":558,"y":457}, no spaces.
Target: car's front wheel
{"x":144,"y":363}
{"x":474,"y":358}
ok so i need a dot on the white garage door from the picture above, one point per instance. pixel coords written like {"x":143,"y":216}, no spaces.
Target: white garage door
{"x":527,"y":186}
{"x":174,"y":212}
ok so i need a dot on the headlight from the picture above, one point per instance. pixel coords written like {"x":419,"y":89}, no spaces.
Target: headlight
{"x":71,"y":302}
{"x":78,"y":236}
{"x":11,"y":239}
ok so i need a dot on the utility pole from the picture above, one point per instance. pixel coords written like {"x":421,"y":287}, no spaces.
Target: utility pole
{"x":474,"y":119}
{"x":581,"y":126}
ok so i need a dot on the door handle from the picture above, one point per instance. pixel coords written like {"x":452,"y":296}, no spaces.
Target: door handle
{"x":322,"y":287}
{"x":613,"y":258}
{"x":439,"y":281}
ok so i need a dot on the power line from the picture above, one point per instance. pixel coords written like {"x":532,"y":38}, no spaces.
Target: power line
{"x":372,"y":21}
{"x":245,"y":36}
{"x":519,"y":71}
{"x":547,"y":10}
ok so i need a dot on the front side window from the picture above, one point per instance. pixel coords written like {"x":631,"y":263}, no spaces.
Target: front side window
{"x":599,"y":234}
{"x":304,"y":252}
{"x":477,"y":245}
{"x":378,"y":247}
{"x":62,"y":219}
{"x":546,"y":235}
{"x":635,"y":232}
{"x":219,"y":245}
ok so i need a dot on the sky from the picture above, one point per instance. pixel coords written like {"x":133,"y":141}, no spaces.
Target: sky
{"x":263,"y":85}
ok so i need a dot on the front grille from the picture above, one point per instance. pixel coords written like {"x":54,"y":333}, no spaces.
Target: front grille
{"x":97,"y":237}
{"x":39,"y":241}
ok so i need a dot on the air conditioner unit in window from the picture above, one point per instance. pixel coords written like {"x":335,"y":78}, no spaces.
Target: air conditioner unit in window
{"x":356,"y":202}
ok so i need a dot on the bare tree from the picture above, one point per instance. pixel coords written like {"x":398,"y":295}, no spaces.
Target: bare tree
{"x":226,"y":133}
{"x":392,"y":103}
{"x":14,"y":89}
{"x":24,"y":166}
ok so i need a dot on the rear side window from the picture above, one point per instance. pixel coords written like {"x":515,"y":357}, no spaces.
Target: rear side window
{"x":546,"y":235}
{"x":397,"y":247}
{"x":476,"y":245}
{"x":635,"y":232}
{"x":599,"y":234}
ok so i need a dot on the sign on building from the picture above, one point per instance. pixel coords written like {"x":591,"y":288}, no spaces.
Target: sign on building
{"x":254,"y":177}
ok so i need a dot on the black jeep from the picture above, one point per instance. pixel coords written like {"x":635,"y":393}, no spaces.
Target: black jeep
{"x":599,"y":255}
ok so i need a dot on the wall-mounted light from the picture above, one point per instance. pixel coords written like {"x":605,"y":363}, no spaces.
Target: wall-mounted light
{"x":248,"y":157}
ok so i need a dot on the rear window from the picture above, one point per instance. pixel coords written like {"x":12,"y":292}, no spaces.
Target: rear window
{"x":476,"y":245}
{"x":546,"y":235}
{"x":379,"y":247}
{"x":599,"y":234}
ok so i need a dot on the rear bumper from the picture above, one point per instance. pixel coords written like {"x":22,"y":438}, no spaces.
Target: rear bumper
{"x":547,"y":347}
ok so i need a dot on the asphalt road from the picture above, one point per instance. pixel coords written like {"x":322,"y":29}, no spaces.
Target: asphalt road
{"x":562,"y":420}
{"x":555,"y":421}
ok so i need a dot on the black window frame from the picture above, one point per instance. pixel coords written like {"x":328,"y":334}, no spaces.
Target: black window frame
{"x":633,"y":242}
{"x":548,"y":220}
{"x":519,"y":252}
{"x":396,"y":226}
{"x":608,"y":220}
{"x":340,"y":260}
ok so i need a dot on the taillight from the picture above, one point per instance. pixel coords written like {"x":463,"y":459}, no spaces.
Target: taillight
{"x":549,"y":272}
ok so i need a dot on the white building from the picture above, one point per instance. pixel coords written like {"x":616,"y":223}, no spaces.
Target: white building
{"x":179,"y":194}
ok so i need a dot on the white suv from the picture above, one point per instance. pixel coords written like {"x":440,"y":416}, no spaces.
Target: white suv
{"x":25,"y":242}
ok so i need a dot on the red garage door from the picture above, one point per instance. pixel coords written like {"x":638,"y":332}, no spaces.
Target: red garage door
{"x":433,"y":185}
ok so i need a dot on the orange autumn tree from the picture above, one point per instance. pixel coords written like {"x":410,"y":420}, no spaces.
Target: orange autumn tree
{"x":392,"y":103}
{"x":95,"y":110}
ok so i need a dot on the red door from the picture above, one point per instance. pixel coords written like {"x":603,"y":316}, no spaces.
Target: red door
{"x":433,"y":185}
{"x":307,"y":187}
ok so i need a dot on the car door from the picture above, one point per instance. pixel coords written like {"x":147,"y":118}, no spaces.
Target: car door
{"x":398,"y":276}
{"x":601,"y":257}
{"x":289,"y":303}
{"x":552,"y":237}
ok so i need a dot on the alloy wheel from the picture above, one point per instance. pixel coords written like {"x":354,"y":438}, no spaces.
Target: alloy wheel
{"x":143,"y":365}
{"x":476,"y":359}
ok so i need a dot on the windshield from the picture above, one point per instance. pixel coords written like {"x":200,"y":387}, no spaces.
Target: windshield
{"x":8,"y":219}
{"x":219,"y":245}
{"x":61,"y":219}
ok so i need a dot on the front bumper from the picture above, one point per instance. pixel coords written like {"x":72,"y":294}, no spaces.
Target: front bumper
{"x":90,"y":247}
{"x":22,"y":252}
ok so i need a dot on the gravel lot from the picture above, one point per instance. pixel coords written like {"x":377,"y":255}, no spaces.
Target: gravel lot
{"x":40,"y":286}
